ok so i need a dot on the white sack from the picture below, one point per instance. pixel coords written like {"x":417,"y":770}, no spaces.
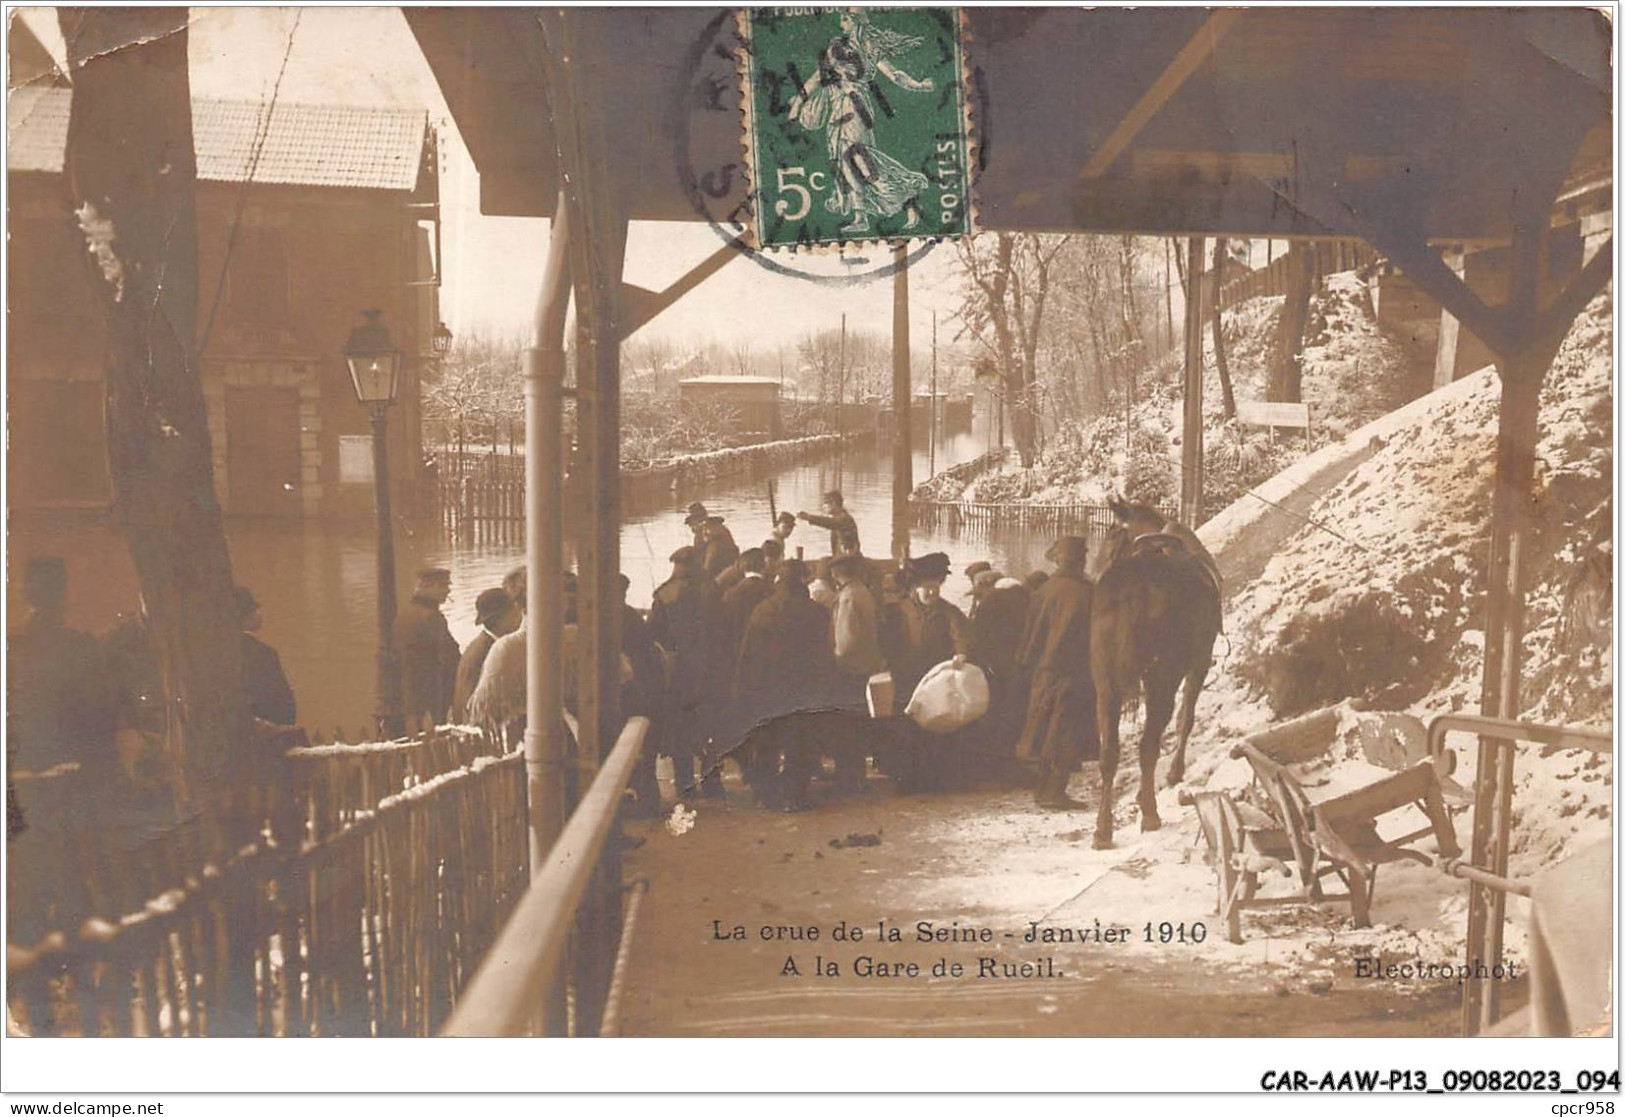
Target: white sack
{"x":949,"y":697}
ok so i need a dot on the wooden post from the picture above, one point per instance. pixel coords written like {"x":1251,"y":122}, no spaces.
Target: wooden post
{"x":597,"y":252}
{"x":902,"y":452}
{"x":1190,"y":474}
{"x":1511,"y":519}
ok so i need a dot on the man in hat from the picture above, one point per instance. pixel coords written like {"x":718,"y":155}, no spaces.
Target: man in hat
{"x":783,"y":524}
{"x":58,"y":696}
{"x":785,"y":666}
{"x":696,"y":521}
{"x":972,"y":572}
{"x":721,"y":551}
{"x":998,"y":620}
{"x":643,"y":695}
{"x":270,"y":698}
{"x":917,"y":633}
{"x":686,"y":619}
{"x":843,"y":529}
{"x":1060,"y":730}
{"x":497,"y":614}
{"x":741,"y":600}
{"x":428,"y":654}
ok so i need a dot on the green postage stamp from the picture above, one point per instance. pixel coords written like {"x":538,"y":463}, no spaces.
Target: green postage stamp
{"x":856,"y":127}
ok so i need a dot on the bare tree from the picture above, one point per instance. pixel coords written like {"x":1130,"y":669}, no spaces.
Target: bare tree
{"x":131,"y":172}
{"x":1221,"y":250}
{"x":1286,"y":357}
{"x":1003,"y":310}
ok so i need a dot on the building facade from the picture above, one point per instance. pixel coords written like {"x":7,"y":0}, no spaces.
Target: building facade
{"x":307,"y":215}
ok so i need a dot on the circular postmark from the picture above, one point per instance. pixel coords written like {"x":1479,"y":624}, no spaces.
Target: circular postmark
{"x":732,"y":109}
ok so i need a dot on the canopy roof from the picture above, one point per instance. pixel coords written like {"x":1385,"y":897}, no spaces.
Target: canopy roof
{"x":1265,"y":121}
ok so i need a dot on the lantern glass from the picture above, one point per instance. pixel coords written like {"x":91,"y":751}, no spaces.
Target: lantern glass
{"x":442,"y":339}
{"x":374,"y":362}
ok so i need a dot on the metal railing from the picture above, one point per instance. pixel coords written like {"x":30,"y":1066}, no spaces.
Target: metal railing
{"x":1479,"y":1005}
{"x":522,"y":972}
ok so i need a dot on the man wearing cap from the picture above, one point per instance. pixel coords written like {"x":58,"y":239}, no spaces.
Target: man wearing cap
{"x":270,"y":698}
{"x":783,"y":525}
{"x":497,"y":614}
{"x":428,"y":654}
{"x":916,"y":634}
{"x":686,"y":619}
{"x":1060,"y":730}
{"x":741,"y":600}
{"x":843,"y":529}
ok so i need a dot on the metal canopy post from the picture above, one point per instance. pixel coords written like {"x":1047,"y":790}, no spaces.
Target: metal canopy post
{"x":544,"y":569}
{"x":1190,"y":455}
{"x":902,"y":398}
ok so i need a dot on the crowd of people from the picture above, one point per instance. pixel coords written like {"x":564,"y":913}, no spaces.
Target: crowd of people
{"x":775,"y":662}
{"x":762,"y":657}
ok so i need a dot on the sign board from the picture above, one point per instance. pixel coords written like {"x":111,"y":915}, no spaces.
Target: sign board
{"x":1257,"y":413}
{"x":855,"y":124}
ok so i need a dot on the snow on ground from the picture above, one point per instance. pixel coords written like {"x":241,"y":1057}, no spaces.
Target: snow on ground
{"x":1408,"y":527}
{"x":1353,"y":373}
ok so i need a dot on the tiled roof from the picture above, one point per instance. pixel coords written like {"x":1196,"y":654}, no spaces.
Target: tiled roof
{"x":306,"y":145}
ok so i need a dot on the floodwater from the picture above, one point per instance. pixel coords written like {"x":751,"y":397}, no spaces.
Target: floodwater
{"x":317,"y":581}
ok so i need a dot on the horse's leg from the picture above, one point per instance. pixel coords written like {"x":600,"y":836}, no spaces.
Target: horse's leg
{"x":1195,"y":679}
{"x":1108,"y":709}
{"x":1159,"y":708}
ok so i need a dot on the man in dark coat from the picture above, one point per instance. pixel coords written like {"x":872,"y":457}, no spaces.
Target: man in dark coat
{"x":59,"y":698}
{"x":1060,"y":731}
{"x":786,"y":665}
{"x":696,"y":520}
{"x":917,"y":633}
{"x":497,"y":614}
{"x":686,"y":619}
{"x":428,"y":654}
{"x":642,"y":696}
{"x":843,"y":529}
{"x":998,"y":624}
{"x":270,"y":698}
{"x":721,"y":551}
{"x":738,"y":603}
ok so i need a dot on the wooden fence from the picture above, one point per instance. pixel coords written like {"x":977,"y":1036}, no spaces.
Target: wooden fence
{"x":479,"y":502}
{"x":1092,"y":521}
{"x":1330,"y":256}
{"x":356,"y":902}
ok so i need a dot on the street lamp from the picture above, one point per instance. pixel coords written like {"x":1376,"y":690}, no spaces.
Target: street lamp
{"x":441,"y":340}
{"x":375,"y":368}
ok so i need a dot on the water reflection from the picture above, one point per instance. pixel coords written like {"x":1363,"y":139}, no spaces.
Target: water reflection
{"x":316,"y":582}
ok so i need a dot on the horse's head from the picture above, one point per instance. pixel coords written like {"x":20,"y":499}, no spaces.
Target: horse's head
{"x":1138,"y":519}
{"x":1132,"y":522}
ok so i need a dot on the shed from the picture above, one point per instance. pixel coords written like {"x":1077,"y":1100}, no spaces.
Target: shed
{"x":754,"y":401}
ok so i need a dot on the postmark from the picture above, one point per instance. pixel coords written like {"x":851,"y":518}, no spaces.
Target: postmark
{"x":856,"y":126}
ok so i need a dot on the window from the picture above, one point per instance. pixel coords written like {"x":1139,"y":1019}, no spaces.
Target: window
{"x":355,"y":459}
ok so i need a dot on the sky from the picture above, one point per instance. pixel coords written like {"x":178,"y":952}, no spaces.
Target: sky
{"x":367,"y":56}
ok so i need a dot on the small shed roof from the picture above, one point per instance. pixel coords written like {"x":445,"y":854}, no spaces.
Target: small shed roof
{"x":753,"y":381}
{"x":363,"y":148}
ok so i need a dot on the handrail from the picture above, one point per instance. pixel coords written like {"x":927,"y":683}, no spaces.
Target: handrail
{"x":1478,"y":1007}
{"x":1503,"y":729}
{"x":505,"y":994}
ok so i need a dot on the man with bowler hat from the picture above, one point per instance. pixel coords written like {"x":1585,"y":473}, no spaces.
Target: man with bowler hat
{"x":497,"y":615}
{"x":1060,"y":730}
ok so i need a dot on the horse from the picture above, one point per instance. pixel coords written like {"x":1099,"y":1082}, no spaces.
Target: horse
{"x":1155,"y":617}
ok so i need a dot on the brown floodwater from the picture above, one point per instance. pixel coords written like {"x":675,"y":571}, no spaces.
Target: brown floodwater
{"x":317,"y":580}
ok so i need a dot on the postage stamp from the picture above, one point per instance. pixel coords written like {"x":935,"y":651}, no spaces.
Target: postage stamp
{"x":856,"y":126}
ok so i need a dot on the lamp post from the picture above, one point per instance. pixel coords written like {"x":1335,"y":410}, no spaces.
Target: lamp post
{"x":375,"y":366}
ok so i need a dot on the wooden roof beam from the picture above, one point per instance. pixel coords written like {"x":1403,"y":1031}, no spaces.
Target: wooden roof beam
{"x":1174,"y":75}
